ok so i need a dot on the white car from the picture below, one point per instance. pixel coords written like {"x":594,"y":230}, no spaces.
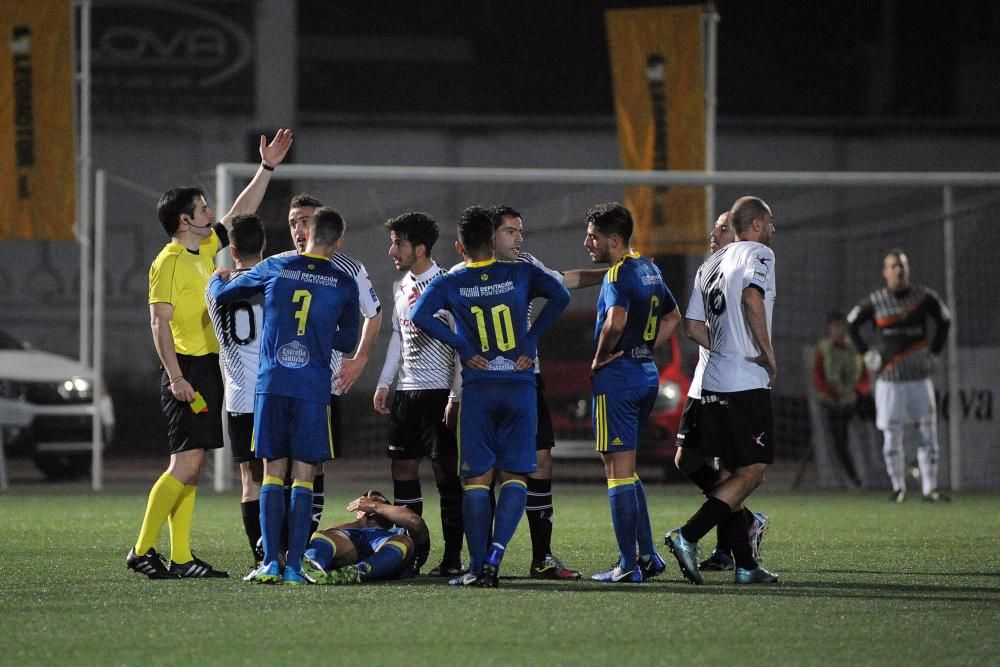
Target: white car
{"x":46,"y":408}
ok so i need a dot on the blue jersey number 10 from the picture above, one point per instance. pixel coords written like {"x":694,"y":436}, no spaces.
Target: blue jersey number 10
{"x":503,"y":328}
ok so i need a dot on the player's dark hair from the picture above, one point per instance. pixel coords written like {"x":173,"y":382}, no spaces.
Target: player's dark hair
{"x":247,"y":236}
{"x":475,"y":228}
{"x":835,"y":316}
{"x":327,"y":226}
{"x":744,"y":211}
{"x":303,"y":200}
{"x":417,"y":228}
{"x":377,"y":495}
{"x":173,"y":204}
{"x":501,"y":211}
{"x":611,"y":218}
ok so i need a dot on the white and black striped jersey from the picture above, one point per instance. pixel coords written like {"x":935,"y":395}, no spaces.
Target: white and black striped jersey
{"x":900,"y":321}
{"x":717,"y":300}
{"x":238,"y":326}
{"x":366,"y":297}
{"x":694,"y":391}
{"x":414,"y":359}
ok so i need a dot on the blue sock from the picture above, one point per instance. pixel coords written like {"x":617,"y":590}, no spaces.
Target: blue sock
{"x":299,"y":522}
{"x":321,"y":550}
{"x":624,"y":516}
{"x":476,"y":518}
{"x":510,"y":507}
{"x":643,"y":528}
{"x":272,"y":516}
{"x":382,"y":563}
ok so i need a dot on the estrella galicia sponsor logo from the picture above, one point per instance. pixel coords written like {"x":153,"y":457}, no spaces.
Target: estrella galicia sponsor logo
{"x":502,"y":364}
{"x":293,"y":355}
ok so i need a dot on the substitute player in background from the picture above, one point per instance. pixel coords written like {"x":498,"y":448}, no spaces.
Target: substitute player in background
{"x":384,"y":541}
{"x":730,"y":314}
{"x":426,"y":373}
{"x":691,"y":459}
{"x":635,"y":314}
{"x":310,"y":309}
{"x":238,"y":327}
{"x":344,"y":370}
{"x":903,"y":361}
{"x":489,"y":301}
{"x":190,"y":385}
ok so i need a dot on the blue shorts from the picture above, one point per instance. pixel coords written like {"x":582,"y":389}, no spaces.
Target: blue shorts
{"x":496,"y":428}
{"x":285,"y":427}
{"x":367,"y":541}
{"x":619,"y":416}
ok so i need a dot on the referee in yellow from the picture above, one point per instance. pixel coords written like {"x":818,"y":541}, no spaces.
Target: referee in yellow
{"x":191,"y":385}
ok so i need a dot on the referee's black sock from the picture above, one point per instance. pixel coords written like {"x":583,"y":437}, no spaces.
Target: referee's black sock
{"x":406,"y":493}
{"x":735,"y":528}
{"x":451,"y":520}
{"x":709,"y":515}
{"x":705,"y":478}
{"x":317,"y":504}
{"x":539,"y":511}
{"x":251,"y":524}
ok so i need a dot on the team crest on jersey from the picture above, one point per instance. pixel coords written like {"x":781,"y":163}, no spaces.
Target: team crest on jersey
{"x":293,"y":355}
{"x":502,"y":364}
{"x":484,"y":277}
{"x":312,"y":267}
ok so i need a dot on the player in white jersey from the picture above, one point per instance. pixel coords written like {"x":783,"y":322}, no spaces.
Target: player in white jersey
{"x":691,"y":460}
{"x":238,"y":326}
{"x":426,"y":372}
{"x":902,"y":358}
{"x":730,"y":314}
{"x":344,"y":371}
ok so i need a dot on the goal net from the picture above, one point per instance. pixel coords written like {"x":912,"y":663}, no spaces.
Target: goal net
{"x":832,"y":232}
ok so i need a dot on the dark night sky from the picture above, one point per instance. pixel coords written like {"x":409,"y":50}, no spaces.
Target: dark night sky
{"x":855,"y":59}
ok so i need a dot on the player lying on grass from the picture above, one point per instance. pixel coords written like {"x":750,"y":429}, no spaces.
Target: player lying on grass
{"x":384,"y":541}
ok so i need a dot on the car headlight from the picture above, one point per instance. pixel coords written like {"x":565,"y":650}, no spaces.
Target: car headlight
{"x":668,"y":397}
{"x":75,"y":387}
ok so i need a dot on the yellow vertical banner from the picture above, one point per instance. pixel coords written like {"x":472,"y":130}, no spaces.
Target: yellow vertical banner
{"x":658,"y":76}
{"x":37,"y":156}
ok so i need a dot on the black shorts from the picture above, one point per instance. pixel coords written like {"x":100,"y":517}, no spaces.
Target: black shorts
{"x":186,"y":430}
{"x":239,"y":425}
{"x":417,"y":428}
{"x":737,"y":427}
{"x":688,"y":433}
{"x":336,"y":425}
{"x":545,"y":437}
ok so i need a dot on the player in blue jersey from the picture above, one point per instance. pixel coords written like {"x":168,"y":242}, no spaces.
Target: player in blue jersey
{"x":635,"y":313}
{"x":384,"y":541}
{"x":310,"y":309}
{"x":489,"y":302}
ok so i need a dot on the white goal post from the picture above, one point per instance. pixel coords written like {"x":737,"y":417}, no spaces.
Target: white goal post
{"x":946,"y":182}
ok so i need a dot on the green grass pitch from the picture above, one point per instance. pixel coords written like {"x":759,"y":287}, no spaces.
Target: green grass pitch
{"x":863,"y":582}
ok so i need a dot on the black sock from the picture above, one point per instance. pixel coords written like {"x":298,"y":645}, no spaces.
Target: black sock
{"x":406,"y":493}
{"x":539,"y":511}
{"x":707,"y":517}
{"x":705,"y":478}
{"x":251,"y":524}
{"x":317,"y":509}
{"x":735,"y":529}
{"x":451,"y":520}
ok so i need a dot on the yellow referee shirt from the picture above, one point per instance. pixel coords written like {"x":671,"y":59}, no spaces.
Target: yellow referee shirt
{"x":179,"y":277}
